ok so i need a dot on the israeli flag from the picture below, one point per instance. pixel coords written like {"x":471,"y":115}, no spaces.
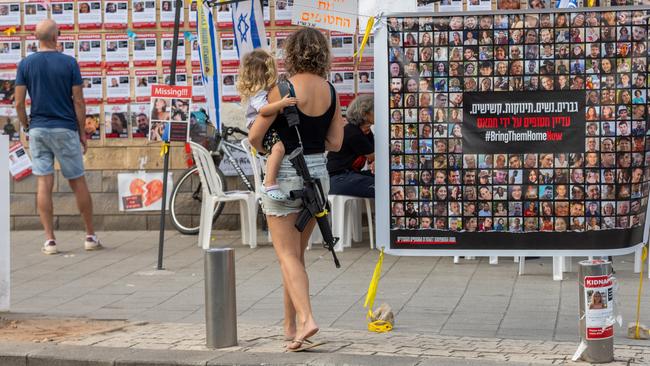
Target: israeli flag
{"x":566,"y":4}
{"x":209,"y":61}
{"x":248,"y":26}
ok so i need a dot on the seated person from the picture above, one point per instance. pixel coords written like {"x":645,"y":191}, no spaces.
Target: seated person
{"x":344,"y":166}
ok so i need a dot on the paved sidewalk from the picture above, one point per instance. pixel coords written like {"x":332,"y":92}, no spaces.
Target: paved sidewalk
{"x":472,"y":310}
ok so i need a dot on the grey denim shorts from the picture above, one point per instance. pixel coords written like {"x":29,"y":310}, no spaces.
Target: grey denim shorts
{"x":288,"y":180}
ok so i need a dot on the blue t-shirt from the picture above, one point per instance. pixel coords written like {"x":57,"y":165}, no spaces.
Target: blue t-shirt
{"x":49,"y":77}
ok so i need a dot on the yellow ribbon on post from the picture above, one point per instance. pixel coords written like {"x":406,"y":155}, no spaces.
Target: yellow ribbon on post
{"x":164,"y":149}
{"x":366,"y":36}
{"x":644,"y":256}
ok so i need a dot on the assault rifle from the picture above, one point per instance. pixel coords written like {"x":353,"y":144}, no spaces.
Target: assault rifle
{"x":313,"y":198}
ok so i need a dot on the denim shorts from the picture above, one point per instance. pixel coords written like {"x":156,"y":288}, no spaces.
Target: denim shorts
{"x":288,"y":180}
{"x":63,"y":144}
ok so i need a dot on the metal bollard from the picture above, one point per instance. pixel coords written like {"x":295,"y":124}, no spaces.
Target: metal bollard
{"x":220,"y":298}
{"x":596,"y":310}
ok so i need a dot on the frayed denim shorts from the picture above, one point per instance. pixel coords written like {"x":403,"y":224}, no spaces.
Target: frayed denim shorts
{"x":288,"y":180}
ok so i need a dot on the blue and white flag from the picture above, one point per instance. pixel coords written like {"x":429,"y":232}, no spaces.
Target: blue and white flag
{"x":209,"y":61}
{"x":248,"y":26}
{"x":566,"y":4}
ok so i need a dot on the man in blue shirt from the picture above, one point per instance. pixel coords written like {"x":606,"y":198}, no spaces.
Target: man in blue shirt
{"x":56,"y":128}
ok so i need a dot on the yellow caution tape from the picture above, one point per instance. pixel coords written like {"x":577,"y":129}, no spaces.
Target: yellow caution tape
{"x":9,"y":31}
{"x":322,"y":213}
{"x":164,"y":149}
{"x":372,"y":288}
{"x":366,"y":36}
{"x":644,"y":256}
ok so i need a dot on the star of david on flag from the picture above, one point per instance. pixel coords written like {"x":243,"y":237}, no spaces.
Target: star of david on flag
{"x":248,"y":26}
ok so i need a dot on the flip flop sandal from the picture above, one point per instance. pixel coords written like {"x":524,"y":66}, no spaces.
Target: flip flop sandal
{"x":304,"y":345}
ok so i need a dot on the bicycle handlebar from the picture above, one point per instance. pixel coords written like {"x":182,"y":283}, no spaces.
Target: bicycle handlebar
{"x":229,"y":131}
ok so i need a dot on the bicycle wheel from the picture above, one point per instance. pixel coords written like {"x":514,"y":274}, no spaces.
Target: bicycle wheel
{"x":185,"y":203}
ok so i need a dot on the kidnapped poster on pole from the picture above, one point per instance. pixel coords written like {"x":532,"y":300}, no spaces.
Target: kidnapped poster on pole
{"x":512,"y":133}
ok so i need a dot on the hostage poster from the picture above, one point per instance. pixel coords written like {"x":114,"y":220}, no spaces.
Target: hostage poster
{"x":514,"y":132}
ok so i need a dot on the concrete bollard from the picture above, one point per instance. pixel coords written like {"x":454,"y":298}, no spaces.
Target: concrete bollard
{"x":596,"y":310}
{"x":220,"y":298}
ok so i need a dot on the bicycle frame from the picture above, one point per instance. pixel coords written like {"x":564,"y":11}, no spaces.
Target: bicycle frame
{"x":226,"y":147}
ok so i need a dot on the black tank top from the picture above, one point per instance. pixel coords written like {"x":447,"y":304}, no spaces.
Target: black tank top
{"x":313,"y":130}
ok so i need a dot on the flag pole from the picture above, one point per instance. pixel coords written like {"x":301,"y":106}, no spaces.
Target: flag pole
{"x":172,"y":81}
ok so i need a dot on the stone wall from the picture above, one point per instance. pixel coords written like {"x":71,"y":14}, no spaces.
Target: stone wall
{"x":103,"y":161}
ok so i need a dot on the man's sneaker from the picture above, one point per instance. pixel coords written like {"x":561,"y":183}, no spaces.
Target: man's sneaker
{"x":92,"y":243}
{"x":49,"y":248}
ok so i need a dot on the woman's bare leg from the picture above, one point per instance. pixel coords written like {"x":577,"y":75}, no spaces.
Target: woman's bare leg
{"x":289,"y":310}
{"x":287,"y":242}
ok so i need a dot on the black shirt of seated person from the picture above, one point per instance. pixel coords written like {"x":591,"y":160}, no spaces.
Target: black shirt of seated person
{"x":344,"y":166}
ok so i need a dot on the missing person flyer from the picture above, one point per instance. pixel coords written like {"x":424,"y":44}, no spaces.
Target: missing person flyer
{"x":93,"y":84}
{"x":117,"y":50}
{"x":20,"y":165}
{"x":116,"y":14}
{"x":229,"y":55}
{"x":115,"y":121}
{"x":91,"y":127}
{"x":139,"y":118}
{"x":68,"y":45}
{"x":9,"y":123}
{"x":10,"y":52}
{"x":144,"y":49}
{"x":63,"y":13}
{"x":228,"y":82}
{"x":10,"y":15}
{"x":35,"y":11}
{"x":31,"y":45}
{"x":118,"y":89}
{"x":143,"y":81}
{"x":599,"y":307}
{"x":168,"y":11}
{"x":90,"y":14}
{"x":169,"y":113}
{"x":90,"y":50}
{"x":167,"y":46}
{"x":342,"y":47}
{"x":143,"y":13}
{"x":181,"y":76}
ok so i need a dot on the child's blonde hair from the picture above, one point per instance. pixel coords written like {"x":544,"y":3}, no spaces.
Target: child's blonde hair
{"x":257,"y":72}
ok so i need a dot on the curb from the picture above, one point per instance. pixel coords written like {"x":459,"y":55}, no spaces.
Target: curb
{"x":40,"y":354}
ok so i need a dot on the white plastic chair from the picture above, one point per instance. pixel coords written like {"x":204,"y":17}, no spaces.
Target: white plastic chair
{"x":342,"y":214}
{"x":213,"y":193}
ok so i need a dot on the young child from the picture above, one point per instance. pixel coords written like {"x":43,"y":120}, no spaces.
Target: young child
{"x":258,"y":74}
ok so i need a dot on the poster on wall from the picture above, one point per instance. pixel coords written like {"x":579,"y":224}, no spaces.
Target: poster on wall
{"x":10,"y":52}
{"x":116,"y":14}
{"x":336,"y":16}
{"x":31,"y":45}
{"x":169,"y":113}
{"x":10,"y":15}
{"x":118,"y":86}
{"x":368,"y":50}
{"x":426,"y":5}
{"x":181,"y":76}
{"x":342,"y":77}
{"x":476,"y":5}
{"x":278,"y":45}
{"x":115,"y":121}
{"x":450,"y":5}
{"x":143,"y":13}
{"x":142,"y":191}
{"x":144,"y":49}
{"x":90,"y":14}
{"x":62,"y":12}
{"x":139,"y":119}
{"x":166,"y":41}
{"x":342,"y":47}
{"x":168,"y":13}
{"x":228,"y":82}
{"x":68,"y":45}
{"x":35,"y":11}
{"x":229,"y":55}
{"x":533,"y":143}
{"x":9,"y":123}
{"x":599,"y":307}
{"x":7,"y":87}
{"x":198,"y":90}
{"x":365,"y":78}
{"x":117,"y":50}
{"x":224,"y":16}
{"x":283,"y":11}
{"x":508,"y":4}
{"x":20,"y":165}
{"x":93,"y":83}
{"x":90,"y":50}
{"x":143,"y":81}
{"x":91,"y":126}
{"x":192,"y":14}
{"x":194,"y":51}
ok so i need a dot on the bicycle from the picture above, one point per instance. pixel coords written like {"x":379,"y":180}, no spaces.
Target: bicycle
{"x":185,"y":202}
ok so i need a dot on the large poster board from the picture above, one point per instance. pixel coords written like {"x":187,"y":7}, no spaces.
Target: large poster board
{"x":513,"y":132}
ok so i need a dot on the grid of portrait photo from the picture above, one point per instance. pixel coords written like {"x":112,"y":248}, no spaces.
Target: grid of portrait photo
{"x":433,"y":61}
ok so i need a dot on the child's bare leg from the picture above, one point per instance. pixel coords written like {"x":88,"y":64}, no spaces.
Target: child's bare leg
{"x":273,"y":162}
